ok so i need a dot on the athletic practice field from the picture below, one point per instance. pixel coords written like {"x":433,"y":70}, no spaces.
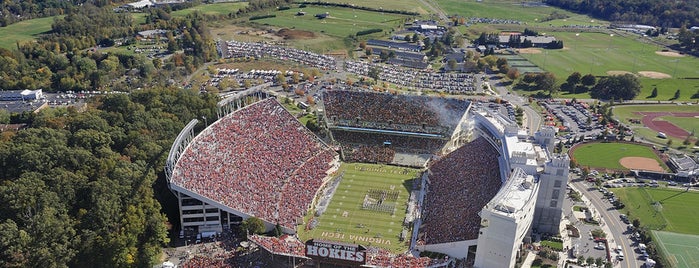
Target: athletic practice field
{"x":383,"y":191}
{"x":677,"y":121}
{"x":664,"y":209}
{"x":681,"y":250}
{"x":612,"y":155}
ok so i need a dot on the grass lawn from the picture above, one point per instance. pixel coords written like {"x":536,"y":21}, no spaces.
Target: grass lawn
{"x":599,"y":53}
{"x":24,"y":31}
{"x":607,"y":155}
{"x":674,"y":215}
{"x":557,"y":246}
{"x":212,"y":9}
{"x":681,"y":250}
{"x":346,"y":221}
{"x":406,"y":5}
{"x":341,"y":23}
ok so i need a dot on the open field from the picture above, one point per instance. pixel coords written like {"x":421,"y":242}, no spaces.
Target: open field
{"x":607,"y":155}
{"x":212,"y":9}
{"x":681,"y":250}
{"x":406,"y":5}
{"x":601,"y":54}
{"x":24,"y":31}
{"x":346,"y":221}
{"x":674,"y":214}
{"x":340,"y":23}
{"x":508,"y":9}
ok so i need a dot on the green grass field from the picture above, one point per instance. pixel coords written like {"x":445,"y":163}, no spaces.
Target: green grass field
{"x":341,"y":23}
{"x":24,"y":31}
{"x":600,"y":53}
{"x":607,"y":155}
{"x":673,"y":215}
{"x":346,"y":221}
{"x":680,"y":249}
{"x":212,"y":9}
{"x":406,"y":5}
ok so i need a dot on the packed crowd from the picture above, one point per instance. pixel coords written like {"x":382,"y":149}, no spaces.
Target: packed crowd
{"x":259,"y":160}
{"x":460,"y":184}
{"x":204,"y":261}
{"x":383,"y":258}
{"x":257,"y":50}
{"x":444,"y":82}
{"x":394,"y":109}
{"x":368,"y":147}
{"x":284,"y":245}
{"x":368,"y":153}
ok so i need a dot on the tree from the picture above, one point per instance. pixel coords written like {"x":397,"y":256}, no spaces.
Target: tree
{"x":513,"y":73}
{"x":368,"y":51}
{"x":415,"y":38}
{"x":574,"y":78}
{"x":590,"y":260}
{"x":588,"y":80}
{"x":623,"y":87}
{"x":253,"y":225}
{"x":452,"y":64}
{"x":407,"y":38}
{"x":546,"y":82}
{"x":374,"y":72}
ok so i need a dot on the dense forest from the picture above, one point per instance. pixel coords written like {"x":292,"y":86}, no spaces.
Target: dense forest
{"x":12,"y":11}
{"x":649,"y":12}
{"x":63,"y":60}
{"x":76,"y":189}
{"x":85,"y":188}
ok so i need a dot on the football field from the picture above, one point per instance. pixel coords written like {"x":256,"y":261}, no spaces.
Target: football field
{"x":368,"y":207}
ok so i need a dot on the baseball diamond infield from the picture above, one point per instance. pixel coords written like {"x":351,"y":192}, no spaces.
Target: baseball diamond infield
{"x":665,"y":126}
{"x":640,"y":163}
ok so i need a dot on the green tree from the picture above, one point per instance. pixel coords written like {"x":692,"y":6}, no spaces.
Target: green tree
{"x":588,"y":80}
{"x":253,"y":225}
{"x":624,"y":87}
{"x":574,"y":78}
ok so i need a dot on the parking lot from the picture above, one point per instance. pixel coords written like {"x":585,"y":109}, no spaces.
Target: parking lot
{"x":576,"y":117}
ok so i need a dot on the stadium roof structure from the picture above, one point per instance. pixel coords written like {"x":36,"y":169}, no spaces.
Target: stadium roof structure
{"x":257,"y":161}
{"x":518,"y":190}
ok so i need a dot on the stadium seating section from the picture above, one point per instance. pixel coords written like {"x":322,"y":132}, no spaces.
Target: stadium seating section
{"x":470,"y":177}
{"x":258,"y":160}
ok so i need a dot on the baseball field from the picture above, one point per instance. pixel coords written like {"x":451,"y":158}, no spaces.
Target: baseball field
{"x":617,"y":156}
{"x":368,"y":207}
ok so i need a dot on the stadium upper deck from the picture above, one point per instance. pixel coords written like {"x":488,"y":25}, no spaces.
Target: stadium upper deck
{"x":407,"y":113}
{"x":259,"y":161}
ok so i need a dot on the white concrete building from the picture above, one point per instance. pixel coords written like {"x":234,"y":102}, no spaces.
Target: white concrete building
{"x":506,"y":221}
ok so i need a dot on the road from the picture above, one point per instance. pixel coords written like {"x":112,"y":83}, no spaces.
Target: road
{"x":533,"y":119}
{"x":616,"y":227}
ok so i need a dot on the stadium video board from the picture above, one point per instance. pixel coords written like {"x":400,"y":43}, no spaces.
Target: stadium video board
{"x":336,"y":253}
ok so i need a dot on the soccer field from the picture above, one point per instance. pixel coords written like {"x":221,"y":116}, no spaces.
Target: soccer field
{"x":346,"y":221}
{"x":681,"y":250}
{"x":672,"y":214}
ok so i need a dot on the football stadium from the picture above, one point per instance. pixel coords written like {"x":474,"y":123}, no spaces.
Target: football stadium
{"x":393,"y":176}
